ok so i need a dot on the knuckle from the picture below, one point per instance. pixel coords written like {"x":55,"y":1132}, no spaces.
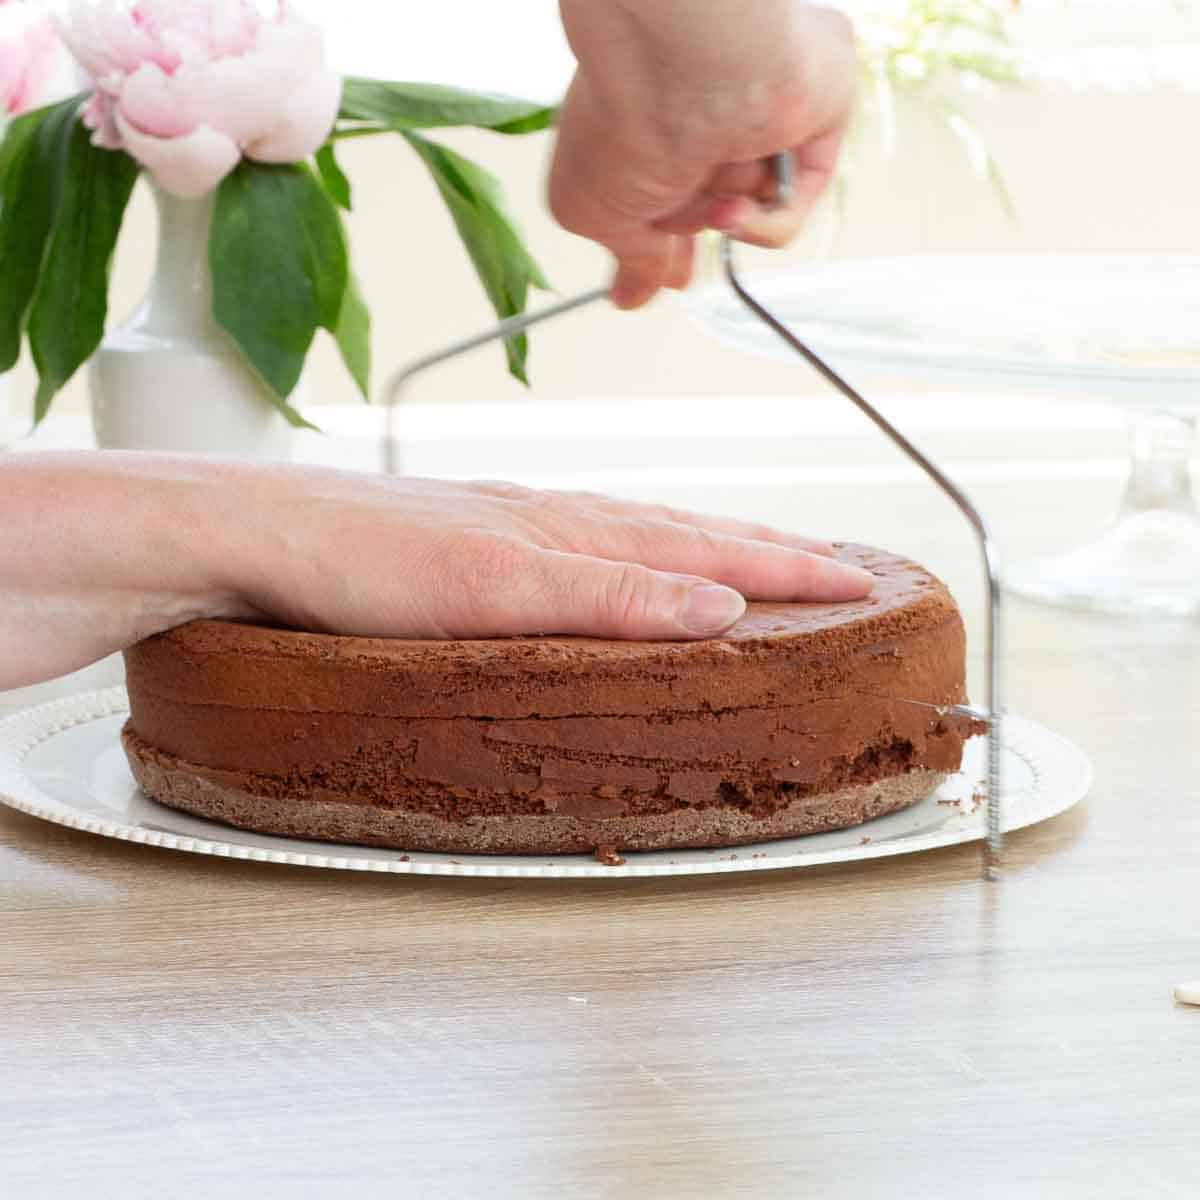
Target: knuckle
{"x":640,"y":198}
{"x":497,"y":561}
{"x":501,"y":489}
{"x":607,"y":202}
{"x":709,"y":543}
{"x":476,"y":568}
{"x":650,"y":535}
{"x":762,"y":533}
{"x":566,"y":504}
{"x":583,"y":497}
{"x":675,"y":516}
{"x":627,"y":593}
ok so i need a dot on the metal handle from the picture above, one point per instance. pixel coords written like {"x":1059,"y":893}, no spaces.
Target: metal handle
{"x":394,"y":387}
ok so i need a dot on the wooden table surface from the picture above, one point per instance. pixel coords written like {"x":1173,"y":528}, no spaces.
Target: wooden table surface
{"x":172,"y":1025}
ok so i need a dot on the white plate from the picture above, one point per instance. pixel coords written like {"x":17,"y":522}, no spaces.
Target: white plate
{"x":63,"y":762}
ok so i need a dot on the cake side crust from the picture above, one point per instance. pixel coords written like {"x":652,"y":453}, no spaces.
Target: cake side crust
{"x":171,"y":782}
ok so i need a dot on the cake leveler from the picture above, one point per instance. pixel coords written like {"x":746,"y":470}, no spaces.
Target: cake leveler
{"x":967,"y":711}
{"x":993,"y":713}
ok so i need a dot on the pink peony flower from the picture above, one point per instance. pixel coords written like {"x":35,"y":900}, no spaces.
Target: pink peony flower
{"x":189,"y":86}
{"x":29,"y":65}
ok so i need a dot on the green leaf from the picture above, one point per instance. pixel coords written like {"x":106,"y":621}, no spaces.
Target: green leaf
{"x":29,"y":157}
{"x":333,"y":177}
{"x":353,"y":336}
{"x":504,"y":266}
{"x":70,"y":302}
{"x":279,"y":269}
{"x":400,"y":106}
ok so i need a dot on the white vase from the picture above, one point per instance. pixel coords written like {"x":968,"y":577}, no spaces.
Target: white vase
{"x":169,"y":377}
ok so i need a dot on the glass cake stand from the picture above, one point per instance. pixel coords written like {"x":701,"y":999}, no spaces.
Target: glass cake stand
{"x":1121,"y":329}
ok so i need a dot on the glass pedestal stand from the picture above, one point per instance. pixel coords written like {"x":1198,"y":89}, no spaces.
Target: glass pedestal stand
{"x":1119,"y":329}
{"x":1148,"y":559}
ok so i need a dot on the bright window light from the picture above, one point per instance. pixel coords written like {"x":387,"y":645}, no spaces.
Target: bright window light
{"x":516,"y":46}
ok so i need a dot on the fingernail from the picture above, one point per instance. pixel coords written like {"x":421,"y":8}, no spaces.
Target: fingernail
{"x":710,"y":608}
{"x":854,"y":580}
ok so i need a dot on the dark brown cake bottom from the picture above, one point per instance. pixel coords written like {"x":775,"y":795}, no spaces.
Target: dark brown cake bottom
{"x":181,"y":785}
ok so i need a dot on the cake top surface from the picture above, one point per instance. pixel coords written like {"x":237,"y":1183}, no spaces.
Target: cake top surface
{"x":906,"y":597}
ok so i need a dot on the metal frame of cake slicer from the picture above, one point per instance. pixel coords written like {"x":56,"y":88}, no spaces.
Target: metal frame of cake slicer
{"x":994,"y":712}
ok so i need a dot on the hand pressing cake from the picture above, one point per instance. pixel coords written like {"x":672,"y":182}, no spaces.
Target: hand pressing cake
{"x":783,"y":726}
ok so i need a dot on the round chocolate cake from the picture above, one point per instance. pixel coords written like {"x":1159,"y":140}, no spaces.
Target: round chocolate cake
{"x":781,"y":727}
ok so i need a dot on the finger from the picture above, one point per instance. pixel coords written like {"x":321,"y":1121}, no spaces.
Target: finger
{"x":720,"y":204}
{"x":643,"y":268}
{"x":751,"y":178}
{"x":532,"y":591}
{"x":759,"y":570}
{"x":773,"y":225}
{"x":704,"y":211}
{"x":752,"y":530}
{"x":636,"y":283}
{"x":683,"y":259}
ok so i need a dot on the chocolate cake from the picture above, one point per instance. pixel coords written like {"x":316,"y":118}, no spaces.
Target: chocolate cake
{"x":781,"y":727}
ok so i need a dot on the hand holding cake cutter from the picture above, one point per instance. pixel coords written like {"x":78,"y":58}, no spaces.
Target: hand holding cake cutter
{"x":992,"y":714}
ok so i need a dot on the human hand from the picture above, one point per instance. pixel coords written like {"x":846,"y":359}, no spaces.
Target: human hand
{"x":673,"y":114}
{"x":100,"y":550}
{"x":387,"y":557}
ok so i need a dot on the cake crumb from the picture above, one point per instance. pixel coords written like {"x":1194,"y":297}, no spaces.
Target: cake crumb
{"x":864,"y":841}
{"x":404,"y":858}
{"x":1188,"y":993}
{"x":608,"y":856}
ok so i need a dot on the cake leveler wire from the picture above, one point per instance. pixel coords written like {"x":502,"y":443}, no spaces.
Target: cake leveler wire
{"x":994,"y":840}
{"x":782,"y":170}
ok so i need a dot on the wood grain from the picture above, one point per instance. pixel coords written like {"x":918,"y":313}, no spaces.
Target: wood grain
{"x":174,"y":1025}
